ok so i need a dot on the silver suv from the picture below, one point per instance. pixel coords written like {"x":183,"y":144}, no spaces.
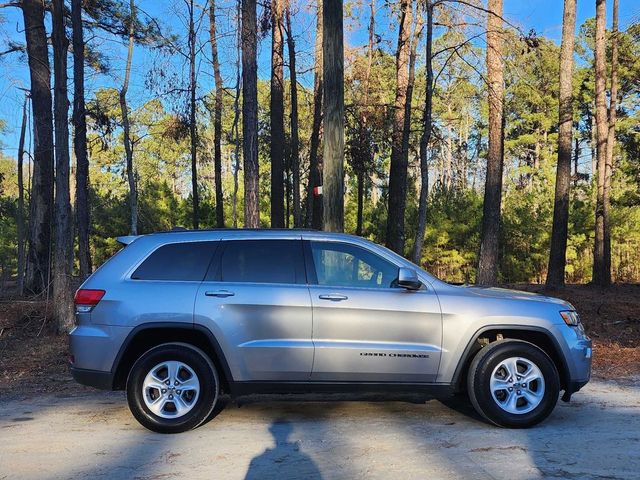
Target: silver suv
{"x":176,"y":318}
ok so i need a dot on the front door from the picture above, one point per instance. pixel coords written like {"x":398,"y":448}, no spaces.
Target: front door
{"x":366,"y":329}
{"x":256,"y":302}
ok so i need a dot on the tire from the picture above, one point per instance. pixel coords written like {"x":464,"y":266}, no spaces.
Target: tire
{"x":491,"y":375}
{"x":178,"y":407}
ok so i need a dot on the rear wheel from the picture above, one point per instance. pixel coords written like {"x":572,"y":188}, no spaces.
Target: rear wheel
{"x":513,"y":384}
{"x":172,"y":388}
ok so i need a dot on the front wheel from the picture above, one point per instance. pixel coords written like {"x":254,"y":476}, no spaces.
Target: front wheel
{"x":172,"y":388}
{"x":513,"y":384}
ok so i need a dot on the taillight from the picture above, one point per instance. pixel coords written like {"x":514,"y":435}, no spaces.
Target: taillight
{"x":87,"y":298}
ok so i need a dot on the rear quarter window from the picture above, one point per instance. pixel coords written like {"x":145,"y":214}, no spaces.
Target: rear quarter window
{"x":185,"y":261}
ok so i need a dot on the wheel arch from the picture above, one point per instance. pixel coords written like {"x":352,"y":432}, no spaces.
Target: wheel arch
{"x":148,"y":335}
{"x":538,"y":336}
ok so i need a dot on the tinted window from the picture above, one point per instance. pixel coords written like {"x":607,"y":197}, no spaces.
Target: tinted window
{"x":341,"y":264}
{"x":263,"y":261}
{"x":177,"y":261}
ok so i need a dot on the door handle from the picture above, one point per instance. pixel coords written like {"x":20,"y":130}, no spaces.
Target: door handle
{"x":219,"y":293}
{"x":334,"y":297}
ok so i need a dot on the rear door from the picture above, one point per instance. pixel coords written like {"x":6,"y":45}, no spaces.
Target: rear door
{"x":366,"y":329}
{"x":256,"y":302}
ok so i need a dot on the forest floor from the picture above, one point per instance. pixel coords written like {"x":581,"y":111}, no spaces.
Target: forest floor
{"x":33,"y":359}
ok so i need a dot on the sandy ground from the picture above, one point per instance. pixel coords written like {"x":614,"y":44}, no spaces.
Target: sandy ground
{"x":93,"y":435}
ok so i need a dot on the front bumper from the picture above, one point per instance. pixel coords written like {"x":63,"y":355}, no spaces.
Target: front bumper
{"x":578,"y":353}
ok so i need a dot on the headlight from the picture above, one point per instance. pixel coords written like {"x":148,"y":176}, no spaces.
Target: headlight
{"x":570,"y":317}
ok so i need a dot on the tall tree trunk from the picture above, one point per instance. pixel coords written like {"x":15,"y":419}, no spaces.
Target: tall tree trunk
{"x":217,"y":115}
{"x":124,"y":109}
{"x":314,"y":202}
{"x":365,"y":119}
{"x":41,"y":198}
{"x":601,"y":274}
{"x":611,"y":141}
{"x":557,"y":256}
{"x":250,"y":114}
{"x":63,"y":253}
{"x":425,"y":138}
{"x":80,"y":141}
{"x":277,"y":115}
{"x":295,"y":137}
{"x":193,"y":134}
{"x":236,"y":119}
{"x":333,"y":120}
{"x":398,"y":170}
{"x":20,"y":217}
{"x":488,"y":262}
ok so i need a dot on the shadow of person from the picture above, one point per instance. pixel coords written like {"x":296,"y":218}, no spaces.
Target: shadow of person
{"x":285,"y":461}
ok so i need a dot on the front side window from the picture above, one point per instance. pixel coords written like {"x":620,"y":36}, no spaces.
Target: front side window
{"x":345,"y":265}
{"x":262,"y":261}
{"x":185,"y":261}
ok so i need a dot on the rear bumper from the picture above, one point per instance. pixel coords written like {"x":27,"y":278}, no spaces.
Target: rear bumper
{"x":93,"y":378}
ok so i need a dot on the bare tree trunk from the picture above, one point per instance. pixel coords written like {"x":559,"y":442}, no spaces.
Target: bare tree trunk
{"x":20,"y":217}
{"x":80,"y":141}
{"x":360,"y":174}
{"x":131,"y":177}
{"x":193,"y":134}
{"x":277,"y":115}
{"x":488,"y":262}
{"x":333,"y":120}
{"x":315,"y":203}
{"x":557,"y":256}
{"x":601,"y":274}
{"x":398,"y":170}
{"x":62,"y":293}
{"x":217,"y":115}
{"x":425,"y":138}
{"x":250,"y":114}
{"x":236,"y":119}
{"x":41,"y":198}
{"x":611,"y":141}
{"x":295,"y":137}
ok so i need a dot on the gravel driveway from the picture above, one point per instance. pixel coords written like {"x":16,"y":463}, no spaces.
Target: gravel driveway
{"x":93,"y":435}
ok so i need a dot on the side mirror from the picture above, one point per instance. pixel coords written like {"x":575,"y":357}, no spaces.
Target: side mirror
{"x":408,"y":278}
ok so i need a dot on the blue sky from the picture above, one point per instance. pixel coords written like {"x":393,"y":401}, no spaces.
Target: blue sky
{"x":544,"y":16}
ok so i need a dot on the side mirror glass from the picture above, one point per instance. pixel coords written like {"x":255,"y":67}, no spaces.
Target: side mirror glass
{"x":408,"y":278}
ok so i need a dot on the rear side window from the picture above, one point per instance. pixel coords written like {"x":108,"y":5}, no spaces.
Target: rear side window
{"x":186,"y":261}
{"x":263,"y":261}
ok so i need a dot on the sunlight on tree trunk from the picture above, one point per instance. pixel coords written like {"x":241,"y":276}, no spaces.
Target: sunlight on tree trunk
{"x":250,"y":114}
{"x":277,"y":115}
{"x":41,"y":198}
{"x":611,"y":141}
{"x":489,"y":253}
{"x":601,"y":266}
{"x":557,"y":257}
{"x":63,"y":252}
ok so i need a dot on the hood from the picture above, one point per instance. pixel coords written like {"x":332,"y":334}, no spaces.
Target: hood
{"x":505,"y":293}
